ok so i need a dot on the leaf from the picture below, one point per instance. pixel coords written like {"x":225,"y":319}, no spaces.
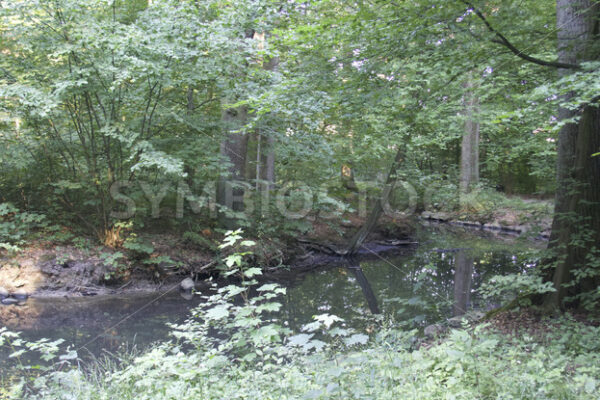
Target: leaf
{"x":234,"y":259}
{"x":300,"y":339}
{"x":313,"y":394}
{"x":217,"y":312}
{"x":327,"y":319}
{"x":311,"y":327}
{"x":355,"y":339}
{"x":17,"y":353}
{"x":455,"y":354}
{"x":71,"y":355}
{"x":318,"y":345}
{"x":250,"y":272}
{"x":590,"y":385}
{"x":268,"y":307}
{"x":335,"y":372}
{"x":267,"y":287}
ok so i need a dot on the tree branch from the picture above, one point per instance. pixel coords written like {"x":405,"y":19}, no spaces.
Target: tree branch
{"x":501,"y":39}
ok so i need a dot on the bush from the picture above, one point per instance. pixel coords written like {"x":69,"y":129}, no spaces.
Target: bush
{"x":16,"y":225}
{"x":233,"y":348}
{"x":479,"y":364}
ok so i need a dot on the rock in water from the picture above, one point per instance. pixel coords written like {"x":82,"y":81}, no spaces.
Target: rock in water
{"x":9,"y":301}
{"x":187,"y":295}
{"x":3,"y":293}
{"x":187,"y":284}
{"x":20,"y":295}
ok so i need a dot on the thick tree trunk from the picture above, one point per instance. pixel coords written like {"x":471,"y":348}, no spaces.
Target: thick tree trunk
{"x":469,"y":157}
{"x":233,"y":150}
{"x":576,"y":224}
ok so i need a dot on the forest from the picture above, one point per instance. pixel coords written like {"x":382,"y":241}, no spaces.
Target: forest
{"x":266,"y":199}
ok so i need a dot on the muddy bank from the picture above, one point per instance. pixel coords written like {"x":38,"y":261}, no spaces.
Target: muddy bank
{"x":509,"y":223}
{"x":69,"y":271}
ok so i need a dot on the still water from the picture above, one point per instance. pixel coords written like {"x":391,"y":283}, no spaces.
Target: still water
{"x":418,"y":286}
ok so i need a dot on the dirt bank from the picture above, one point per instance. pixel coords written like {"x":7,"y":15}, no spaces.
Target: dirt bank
{"x":46,"y":270}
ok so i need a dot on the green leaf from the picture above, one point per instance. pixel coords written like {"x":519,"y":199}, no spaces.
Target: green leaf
{"x":218,"y":312}
{"x":250,"y":272}
{"x":355,"y":339}
{"x":300,"y":339}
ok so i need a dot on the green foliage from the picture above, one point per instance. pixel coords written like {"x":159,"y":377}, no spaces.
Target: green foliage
{"x":232,"y":347}
{"x":519,"y":286}
{"x":589,"y":297}
{"x":483,"y":204}
{"x":99,"y":92}
{"x":117,"y":267}
{"x":259,"y":363}
{"x":102,"y":104}
{"x":16,"y":226}
{"x":199,"y":240}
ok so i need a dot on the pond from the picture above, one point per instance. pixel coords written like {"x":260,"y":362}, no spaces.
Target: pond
{"x":416,"y":287}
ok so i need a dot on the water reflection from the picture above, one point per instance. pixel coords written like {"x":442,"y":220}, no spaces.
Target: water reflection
{"x":436,"y":281}
{"x":463,"y":277}
{"x":365,"y":286}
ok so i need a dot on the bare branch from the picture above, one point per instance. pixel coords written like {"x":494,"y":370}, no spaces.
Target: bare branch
{"x":501,"y":39}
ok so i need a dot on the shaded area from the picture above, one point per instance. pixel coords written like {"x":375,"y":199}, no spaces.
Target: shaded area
{"x":434,"y":282}
{"x":463,"y":278}
{"x":365,"y":286}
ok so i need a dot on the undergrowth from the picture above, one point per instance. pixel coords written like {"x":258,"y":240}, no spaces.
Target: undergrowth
{"x":232,"y":347}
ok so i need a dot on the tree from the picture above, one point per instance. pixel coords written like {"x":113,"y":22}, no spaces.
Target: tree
{"x":469,"y":157}
{"x":575,"y":238}
{"x":234,"y":147}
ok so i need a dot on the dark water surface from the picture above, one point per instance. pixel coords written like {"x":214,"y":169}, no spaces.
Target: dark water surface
{"x":434,"y":281}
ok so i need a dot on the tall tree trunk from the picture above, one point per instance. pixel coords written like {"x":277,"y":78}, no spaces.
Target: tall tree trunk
{"x":268,"y":148}
{"x":233,"y":149}
{"x":268,"y":170}
{"x":469,"y":157}
{"x":265,"y":171}
{"x":576,"y":224}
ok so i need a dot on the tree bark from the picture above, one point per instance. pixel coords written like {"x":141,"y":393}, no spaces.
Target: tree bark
{"x":469,"y":158}
{"x":576,"y":223}
{"x":268,"y":160}
{"x":233,"y":150}
{"x":268,"y":170}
